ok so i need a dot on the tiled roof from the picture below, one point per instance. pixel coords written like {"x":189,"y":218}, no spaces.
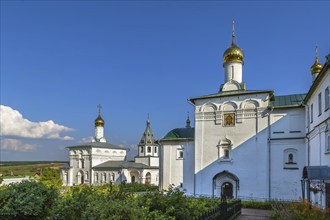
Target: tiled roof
{"x":288,"y":100}
{"x":180,"y":133}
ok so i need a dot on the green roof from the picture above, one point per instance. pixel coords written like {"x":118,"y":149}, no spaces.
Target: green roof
{"x":98,"y":145}
{"x":180,"y":133}
{"x":122,"y":164}
{"x":288,"y":100}
{"x":231,"y":93}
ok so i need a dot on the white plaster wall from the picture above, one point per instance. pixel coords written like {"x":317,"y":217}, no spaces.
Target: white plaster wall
{"x":101,"y":155}
{"x":188,"y":167}
{"x":237,"y":76}
{"x":172,"y":171}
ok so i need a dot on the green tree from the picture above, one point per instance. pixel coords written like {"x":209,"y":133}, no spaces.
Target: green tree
{"x":27,"y":200}
{"x":51,"y":177}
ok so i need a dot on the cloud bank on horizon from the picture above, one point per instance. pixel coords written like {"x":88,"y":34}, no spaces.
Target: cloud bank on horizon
{"x":14,"y":126}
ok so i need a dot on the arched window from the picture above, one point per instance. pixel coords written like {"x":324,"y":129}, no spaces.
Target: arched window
{"x":133,"y":179}
{"x":290,"y":158}
{"x":155,"y":150}
{"x":149,"y":149}
{"x":141,"y":149}
{"x":148,"y":178}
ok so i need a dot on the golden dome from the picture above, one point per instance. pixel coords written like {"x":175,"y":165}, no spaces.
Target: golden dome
{"x":233,"y":54}
{"x":316,"y":67}
{"x":99,"y":121}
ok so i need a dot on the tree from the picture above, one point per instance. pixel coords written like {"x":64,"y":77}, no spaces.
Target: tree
{"x":27,"y":200}
{"x":51,"y":177}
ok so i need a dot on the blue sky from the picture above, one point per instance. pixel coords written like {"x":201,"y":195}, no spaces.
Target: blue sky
{"x":60,"y":59}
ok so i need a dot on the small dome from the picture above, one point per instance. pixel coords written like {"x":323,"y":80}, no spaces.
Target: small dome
{"x":233,"y":54}
{"x":99,"y":121}
{"x":316,"y":67}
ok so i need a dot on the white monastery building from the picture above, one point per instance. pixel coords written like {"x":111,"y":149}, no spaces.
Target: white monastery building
{"x":99,"y":162}
{"x":247,"y":144}
{"x":252,"y":144}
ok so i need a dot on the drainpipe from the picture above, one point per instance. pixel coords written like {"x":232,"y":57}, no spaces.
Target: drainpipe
{"x":269,"y":153}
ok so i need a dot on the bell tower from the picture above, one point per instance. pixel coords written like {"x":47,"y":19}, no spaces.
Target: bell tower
{"x":99,"y":128}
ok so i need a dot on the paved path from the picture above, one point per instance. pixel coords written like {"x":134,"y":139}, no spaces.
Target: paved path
{"x":255,"y":214}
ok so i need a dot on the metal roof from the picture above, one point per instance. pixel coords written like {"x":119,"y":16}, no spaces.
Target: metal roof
{"x":316,"y":173}
{"x":288,"y":100}
{"x":231,"y":93}
{"x":98,"y":145}
{"x":122,"y":164}
{"x":180,"y":133}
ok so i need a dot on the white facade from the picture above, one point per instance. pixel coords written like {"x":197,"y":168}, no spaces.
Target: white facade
{"x":99,"y":163}
{"x":251,"y":144}
{"x":318,"y":135}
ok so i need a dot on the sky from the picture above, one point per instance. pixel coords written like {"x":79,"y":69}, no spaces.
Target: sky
{"x":60,"y":59}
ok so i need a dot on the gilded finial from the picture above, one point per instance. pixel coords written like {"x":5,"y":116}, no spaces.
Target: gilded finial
{"x":99,"y":107}
{"x":233,"y":33}
{"x":148,"y":121}
{"x":99,"y":120}
{"x":316,"y":67}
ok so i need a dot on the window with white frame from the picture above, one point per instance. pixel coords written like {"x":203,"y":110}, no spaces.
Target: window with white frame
{"x":320,"y":103}
{"x":326,"y":99}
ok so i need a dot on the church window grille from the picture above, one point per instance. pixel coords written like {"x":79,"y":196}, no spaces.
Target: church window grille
{"x":320,"y":104}
{"x":149,"y":149}
{"x":326,"y":99}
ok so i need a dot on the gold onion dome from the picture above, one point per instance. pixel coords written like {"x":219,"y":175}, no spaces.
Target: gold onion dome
{"x":316,"y":67}
{"x":233,"y":53}
{"x":99,"y":121}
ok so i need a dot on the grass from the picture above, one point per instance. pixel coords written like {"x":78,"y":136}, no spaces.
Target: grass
{"x":27,"y":168}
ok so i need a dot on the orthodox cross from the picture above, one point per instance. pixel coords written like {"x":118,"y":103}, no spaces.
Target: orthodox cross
{"x":99,"y":107}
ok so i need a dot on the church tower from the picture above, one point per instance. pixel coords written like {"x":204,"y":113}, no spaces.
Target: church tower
{"x":233,"y":66}
{"x":99,"y":128}
{"x":316,"y":67}
{"x":148,"y":148}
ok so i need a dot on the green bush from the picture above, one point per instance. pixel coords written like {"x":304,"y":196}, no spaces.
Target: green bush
{"x":257,"y":204}
{"x":27,"y":200}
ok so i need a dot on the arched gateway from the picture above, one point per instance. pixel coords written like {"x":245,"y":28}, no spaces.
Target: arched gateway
{"x":225,"y":184}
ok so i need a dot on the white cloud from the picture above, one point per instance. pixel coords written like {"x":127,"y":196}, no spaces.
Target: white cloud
{"x":13,"y":123}
{"x":87,"y":139}
{"x":16,"y":145}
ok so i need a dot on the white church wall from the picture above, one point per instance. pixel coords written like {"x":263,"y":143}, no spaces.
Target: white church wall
{"x":188,"y":167}
{"x":101,"y":155}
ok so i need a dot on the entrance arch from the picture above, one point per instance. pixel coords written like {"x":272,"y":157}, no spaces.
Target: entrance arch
{"x":225,"y":184}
